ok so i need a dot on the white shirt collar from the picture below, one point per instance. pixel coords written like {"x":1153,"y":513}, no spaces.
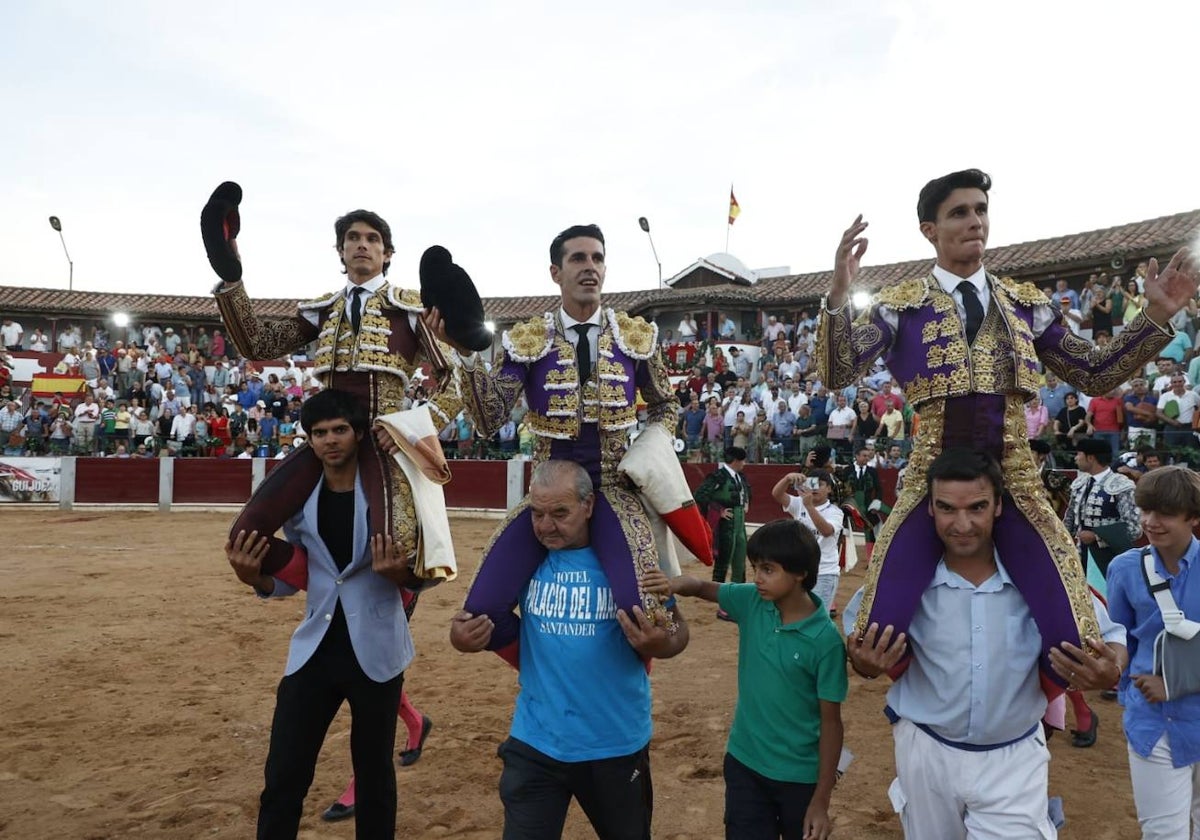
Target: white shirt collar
{"x":371,"y":286}
{"x":568,"y":321}
{"x":949,"y":281}
{"x":730,"y":470}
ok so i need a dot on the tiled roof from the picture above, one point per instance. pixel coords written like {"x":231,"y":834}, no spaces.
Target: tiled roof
{"x":1097,"y":247}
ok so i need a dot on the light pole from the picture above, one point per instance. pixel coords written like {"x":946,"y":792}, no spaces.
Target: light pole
{"x":57,"y":225}
{"x":644,"y":224}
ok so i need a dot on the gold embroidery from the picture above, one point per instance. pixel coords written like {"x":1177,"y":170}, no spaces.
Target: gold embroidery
{"x":929,"y":332}
{"x":905,"y":295}
{"x":528,"y":341}
{"x":633,"y":334}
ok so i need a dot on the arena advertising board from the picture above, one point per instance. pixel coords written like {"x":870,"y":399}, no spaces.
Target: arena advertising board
{"x":29,"y":479}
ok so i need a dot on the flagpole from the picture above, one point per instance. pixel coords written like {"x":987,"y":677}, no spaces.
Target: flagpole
{"x":729,"y":224}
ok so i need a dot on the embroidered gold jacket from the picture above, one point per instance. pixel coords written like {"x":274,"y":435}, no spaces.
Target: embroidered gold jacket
{"x":377,"y":363}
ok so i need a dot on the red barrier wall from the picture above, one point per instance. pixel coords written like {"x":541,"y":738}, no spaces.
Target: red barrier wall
{"x":212,"y":480}
{"x":116,"y":480}
{"x":478,"y":484}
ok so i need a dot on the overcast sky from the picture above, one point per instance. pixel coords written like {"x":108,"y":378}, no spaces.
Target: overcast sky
{"x":488,"y":127}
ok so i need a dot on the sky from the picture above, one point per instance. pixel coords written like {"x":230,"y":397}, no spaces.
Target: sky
{"x":488,"y":127}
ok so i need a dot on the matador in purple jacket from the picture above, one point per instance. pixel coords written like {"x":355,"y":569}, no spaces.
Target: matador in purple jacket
{"x":581,"y":369}
{"x":964,"y":346}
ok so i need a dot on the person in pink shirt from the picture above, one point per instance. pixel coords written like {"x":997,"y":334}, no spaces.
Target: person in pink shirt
{"x":1107,"y":417}
{"x":1037,"y":418}
{"x":712,"y":433}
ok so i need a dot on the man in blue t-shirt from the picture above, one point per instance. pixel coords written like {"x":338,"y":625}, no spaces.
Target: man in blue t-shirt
{"x":581,"y":727}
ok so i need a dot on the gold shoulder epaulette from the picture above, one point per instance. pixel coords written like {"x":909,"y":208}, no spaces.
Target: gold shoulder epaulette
{"x":407,"y":299}
{"x":905,"y":295}
{"x":528,"y":341}
{"x":1024,"y":293}
{"x":636,"y":336}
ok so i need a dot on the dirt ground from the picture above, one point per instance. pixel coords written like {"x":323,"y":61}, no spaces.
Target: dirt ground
{"x":139,"y":681}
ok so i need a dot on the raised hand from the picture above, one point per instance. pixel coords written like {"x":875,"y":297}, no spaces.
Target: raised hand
{"x":1170,"y":291}
{"x":847,"y":261}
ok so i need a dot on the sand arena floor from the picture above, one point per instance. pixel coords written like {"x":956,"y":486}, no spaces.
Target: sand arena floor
{"x":139,"y":684}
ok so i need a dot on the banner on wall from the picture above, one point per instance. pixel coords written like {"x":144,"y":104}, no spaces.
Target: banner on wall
{"x":29,"y":479}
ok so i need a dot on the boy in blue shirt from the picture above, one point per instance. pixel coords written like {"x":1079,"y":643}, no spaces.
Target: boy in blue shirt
{"x":783,"y":749}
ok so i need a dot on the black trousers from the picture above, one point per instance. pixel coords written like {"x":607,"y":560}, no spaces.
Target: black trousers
{"x":615,"y":793}
{"x":305,"y":706}
{"x":758,"y":808}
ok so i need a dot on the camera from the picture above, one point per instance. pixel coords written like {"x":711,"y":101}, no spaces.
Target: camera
{"x":812,"y":483}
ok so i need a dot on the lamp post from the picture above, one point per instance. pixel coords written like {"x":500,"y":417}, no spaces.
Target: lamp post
{"x":644,"y":224}
{"x":57,"y":225}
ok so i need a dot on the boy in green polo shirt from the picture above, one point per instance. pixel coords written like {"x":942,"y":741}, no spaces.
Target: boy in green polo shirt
{"x":783,"y":749}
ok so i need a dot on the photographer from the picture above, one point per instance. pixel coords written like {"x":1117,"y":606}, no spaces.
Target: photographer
{"x":812,"y":508}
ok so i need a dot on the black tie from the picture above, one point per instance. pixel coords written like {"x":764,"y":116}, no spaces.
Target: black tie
{"x":970,"y":299}
{"x":583,"y":352}
{"x":356,"y":307}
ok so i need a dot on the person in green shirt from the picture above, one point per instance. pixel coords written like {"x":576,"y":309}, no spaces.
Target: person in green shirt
{"x":783,"y":749}
{"x":108,"y":425}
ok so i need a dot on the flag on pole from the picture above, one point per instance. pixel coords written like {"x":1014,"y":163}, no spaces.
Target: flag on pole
{"x":734,"y":209}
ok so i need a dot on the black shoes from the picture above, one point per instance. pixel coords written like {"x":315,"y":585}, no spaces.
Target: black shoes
{"x":1086,"y":739}
{"x":338,"y":812}
{"x":409,"y":757}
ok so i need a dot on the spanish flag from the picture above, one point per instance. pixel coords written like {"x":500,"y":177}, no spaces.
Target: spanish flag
{"x":734,"y":209}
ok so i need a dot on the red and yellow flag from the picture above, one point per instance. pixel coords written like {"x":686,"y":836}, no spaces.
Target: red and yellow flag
{"x":734,"y":209}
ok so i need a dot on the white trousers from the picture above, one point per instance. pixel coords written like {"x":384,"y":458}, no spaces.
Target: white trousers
{"x":944,"y":793}
{"x":1167,"y":798}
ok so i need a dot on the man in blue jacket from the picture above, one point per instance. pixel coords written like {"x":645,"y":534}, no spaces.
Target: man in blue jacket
{"x":353,"y":644}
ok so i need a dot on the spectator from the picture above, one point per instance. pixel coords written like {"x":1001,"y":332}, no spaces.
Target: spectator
{"x":710,"y":389}
{"x":891,"y":425}
{"x":1070,"y":312}
{"x":141,"y":425}
{"x":171,"y":341}
{"x":713,"y":437}
{"x":89,"y":368}
{"x":1071,"y":423}
{"x":39,"y":342}
{"x":1178,"y":348}
{"x":1037,"y":418}
{"x":466,"y":434}
{"x":1054,"y":394}
{"x":11,"y":334}
{"x":866,"y":425}
{"x":884,"y":399}
{"x":726,"y":329}
{"x":69,"y":339}
{"x":12,"y":428}
{"x":1175,"y":411}
{"x":61,"y":434}
{"x":37,"y":429}
{"x":687,"y":328}
{"x":841,"y":424}
{"x":103,"y":392}
{"x":183,"y":431}
{"x":692,"y":423}
{"x":1106,"y":416}
{"x":217,"y":348}
{"x":508,"y":438}
{"x":87,"y":415}
{"x":783,"y":425}
{"x":895,"y":458}
{"x":247,"y":452}
{"x":1061,"y":290}
{"x":1141,"y":414}
{"x":1134,"y":301}
{"x":107,"y":427}
{"x":739,"y":363}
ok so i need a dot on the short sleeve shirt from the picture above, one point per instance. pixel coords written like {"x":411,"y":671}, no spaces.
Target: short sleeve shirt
{"x":784,"y":671}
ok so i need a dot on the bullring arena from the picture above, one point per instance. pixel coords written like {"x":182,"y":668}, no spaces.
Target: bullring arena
{"x":140,"y":684}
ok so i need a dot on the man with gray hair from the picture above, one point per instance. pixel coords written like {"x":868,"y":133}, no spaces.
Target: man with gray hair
{"x":581,"y":727}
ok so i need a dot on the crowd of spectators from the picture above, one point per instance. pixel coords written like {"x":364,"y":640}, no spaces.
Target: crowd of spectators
{"x":158,"y":391}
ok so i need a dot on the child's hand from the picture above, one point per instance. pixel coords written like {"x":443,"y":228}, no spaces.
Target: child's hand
{"x":657,"y":583}
{"x":816,"y":823}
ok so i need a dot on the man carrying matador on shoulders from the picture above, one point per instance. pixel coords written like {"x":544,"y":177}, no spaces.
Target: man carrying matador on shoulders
{"x":371,"y":341}
{"x":964,"y":346}
{"x":582,"y":368}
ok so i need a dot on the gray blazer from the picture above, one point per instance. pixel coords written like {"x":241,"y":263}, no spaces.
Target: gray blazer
{"x":372,"y":604}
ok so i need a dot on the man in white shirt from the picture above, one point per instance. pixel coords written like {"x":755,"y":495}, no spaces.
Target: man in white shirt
{"x":87,"y":415}
{"x":39,"y":342}
{"x":687,"y":328}
{"x":1175,"y":410}
{"x":711,"y":389}
{"x":183,"y":428}
{"x":10,"y":334}
{"x":811,"y":508}
{"x":841,"y":425}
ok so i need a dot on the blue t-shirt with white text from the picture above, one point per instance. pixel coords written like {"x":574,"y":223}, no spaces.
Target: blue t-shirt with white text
{"x":585,"y":694}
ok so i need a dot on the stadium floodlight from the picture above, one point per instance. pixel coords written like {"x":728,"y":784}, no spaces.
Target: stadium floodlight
{"x":120,"y":319}
{"x":644,"y":224}
{"x":490,"y":326}
{"x":861,"y":300}
{"x":56,"y":223}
